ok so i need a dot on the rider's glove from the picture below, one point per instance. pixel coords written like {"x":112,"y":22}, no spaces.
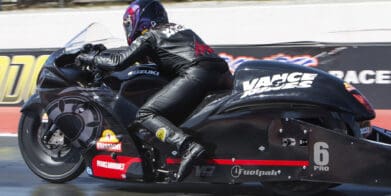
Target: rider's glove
{"x":88,"y":53}
{"x":85,"y":59}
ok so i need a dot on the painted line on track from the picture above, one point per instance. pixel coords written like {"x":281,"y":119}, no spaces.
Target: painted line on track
{"x":8,"y":135}
{"x":9,"y":117}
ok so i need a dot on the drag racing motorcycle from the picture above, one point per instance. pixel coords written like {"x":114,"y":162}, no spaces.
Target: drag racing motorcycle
{"x":295,"y":129}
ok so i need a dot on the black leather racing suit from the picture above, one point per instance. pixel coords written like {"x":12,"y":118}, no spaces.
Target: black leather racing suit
{"x":180,"y":53}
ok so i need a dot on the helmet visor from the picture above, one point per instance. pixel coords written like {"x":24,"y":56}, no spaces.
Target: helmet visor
{"x":128,"y":25}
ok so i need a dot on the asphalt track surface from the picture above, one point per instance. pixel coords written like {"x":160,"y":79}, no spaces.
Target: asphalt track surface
{"x":17,"y":179}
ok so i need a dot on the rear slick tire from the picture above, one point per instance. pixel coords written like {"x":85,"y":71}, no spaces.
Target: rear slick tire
{"x":53,"y":166}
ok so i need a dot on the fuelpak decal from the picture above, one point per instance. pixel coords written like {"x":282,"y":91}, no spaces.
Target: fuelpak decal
{"x":277,"y":82}
{"x":237,"y":171}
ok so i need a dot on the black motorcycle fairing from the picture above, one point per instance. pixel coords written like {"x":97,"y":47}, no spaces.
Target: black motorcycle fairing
{"x":325,"y":91}
{"x":33,"y":103}
{"x":243,"y":137}
{"x":207,"y":108}
{"x":103,"y":96}
{"x":307,"y":85}
{"x":59,"y":71}
{"x":117,"y":80}
{"x":135,"y":70}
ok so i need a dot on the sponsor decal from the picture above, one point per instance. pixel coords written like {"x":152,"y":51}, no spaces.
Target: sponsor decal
{"x":366,"y":131}
{"x":110,"y":165}
{"x":304,"y":60}
{"x":321,"y":157}
{"x":363,"y":76}
{"x":147,"y":72}
{"x":18,"y":76}
{"x":238,"y":171}
{"x":277,"y":82}
{"x":109,"y":142}
{"x":109,"y":147}
{"x":44,"y":118}
{"x":89,"y":171}
{"x":366,"y":128}
{"x":106,"y":167}
{"x":161,"y":134}
{"x":108,"y":136}
{"x":173,"y":29}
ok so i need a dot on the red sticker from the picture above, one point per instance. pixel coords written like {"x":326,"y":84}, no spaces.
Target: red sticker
{"x":106,"y":167}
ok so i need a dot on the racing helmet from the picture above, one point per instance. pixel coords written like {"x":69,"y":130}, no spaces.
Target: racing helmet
{"x":142,"y":15}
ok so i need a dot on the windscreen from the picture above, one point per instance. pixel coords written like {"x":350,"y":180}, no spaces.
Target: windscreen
{"x":94,"y":33}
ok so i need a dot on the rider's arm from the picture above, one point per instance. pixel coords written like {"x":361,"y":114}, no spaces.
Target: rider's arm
{"x":121,"y":58}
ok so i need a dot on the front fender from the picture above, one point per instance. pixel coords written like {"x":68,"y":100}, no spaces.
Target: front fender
{"x":33,"y":103}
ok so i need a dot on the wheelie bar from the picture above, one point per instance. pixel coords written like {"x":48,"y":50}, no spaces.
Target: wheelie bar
{"x":339,"y":158}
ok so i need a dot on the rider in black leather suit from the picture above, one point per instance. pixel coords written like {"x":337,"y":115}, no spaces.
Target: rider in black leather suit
{"x":178,"y":52}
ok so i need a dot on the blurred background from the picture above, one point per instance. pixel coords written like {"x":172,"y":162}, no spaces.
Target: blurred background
{"x":25,"y":4}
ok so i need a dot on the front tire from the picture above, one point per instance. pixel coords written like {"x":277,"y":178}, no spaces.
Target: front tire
{"x":56,"y":163}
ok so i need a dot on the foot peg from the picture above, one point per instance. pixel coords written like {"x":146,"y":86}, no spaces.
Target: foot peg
{"x":170,"y":176}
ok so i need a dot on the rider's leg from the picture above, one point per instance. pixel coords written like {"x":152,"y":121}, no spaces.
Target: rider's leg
{"x":172,"y":105}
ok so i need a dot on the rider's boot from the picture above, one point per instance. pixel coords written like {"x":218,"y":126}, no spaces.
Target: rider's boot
{"x":191,"y":153}
{"x":166,"y":132}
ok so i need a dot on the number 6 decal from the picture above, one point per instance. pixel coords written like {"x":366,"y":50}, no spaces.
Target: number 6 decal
{"x":321,"y":153}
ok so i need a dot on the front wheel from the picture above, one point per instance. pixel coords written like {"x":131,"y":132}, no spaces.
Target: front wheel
{"x":54,"y":161}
